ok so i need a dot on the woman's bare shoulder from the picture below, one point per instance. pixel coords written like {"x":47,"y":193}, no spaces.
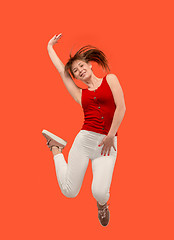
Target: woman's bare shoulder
{"x":111,"y":79}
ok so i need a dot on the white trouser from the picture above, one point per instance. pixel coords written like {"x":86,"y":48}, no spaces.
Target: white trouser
{"x":70,"y":175}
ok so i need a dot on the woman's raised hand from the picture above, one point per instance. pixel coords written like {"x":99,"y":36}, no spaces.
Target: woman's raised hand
{"x":55,"y":39}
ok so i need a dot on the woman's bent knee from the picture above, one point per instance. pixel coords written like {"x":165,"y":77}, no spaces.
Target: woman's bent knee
{"x":69,"y":193}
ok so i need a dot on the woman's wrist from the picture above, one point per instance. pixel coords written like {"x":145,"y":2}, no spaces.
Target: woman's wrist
{"x":110,"y":134}
{"x":49,"y":46}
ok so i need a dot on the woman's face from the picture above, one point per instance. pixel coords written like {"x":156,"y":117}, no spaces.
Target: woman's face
{"x":81,"y":69}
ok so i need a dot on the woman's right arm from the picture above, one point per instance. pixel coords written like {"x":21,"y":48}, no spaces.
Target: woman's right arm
{"x":72,"y":88}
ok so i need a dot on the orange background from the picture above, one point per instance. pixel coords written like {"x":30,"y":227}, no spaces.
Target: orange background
{"x":137,"y":37}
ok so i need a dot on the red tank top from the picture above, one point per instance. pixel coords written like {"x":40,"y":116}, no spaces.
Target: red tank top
{"x":98,"y":107}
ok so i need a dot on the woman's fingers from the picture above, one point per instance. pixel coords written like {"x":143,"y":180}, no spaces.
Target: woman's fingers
{"x":102,"y":151}
{"x":58,"y":36}
{"x":107,"y":143}
{"x":106,"y":150}
{"x":109,"y":151}
{"x":55,"y":39}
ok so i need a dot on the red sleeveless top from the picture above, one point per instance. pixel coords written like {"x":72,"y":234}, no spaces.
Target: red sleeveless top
{"x":98,"y":107}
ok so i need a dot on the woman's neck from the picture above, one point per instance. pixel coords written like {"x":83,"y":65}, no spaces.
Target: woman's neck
{"x":93,"y":82}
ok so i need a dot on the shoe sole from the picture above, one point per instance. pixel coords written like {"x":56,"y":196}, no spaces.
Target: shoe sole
{"x":54,"y":137}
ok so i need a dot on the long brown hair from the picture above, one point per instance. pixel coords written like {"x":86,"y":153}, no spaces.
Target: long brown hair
{"x":88,"y":53}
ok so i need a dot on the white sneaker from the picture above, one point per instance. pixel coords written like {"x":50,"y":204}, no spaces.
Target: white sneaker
{"x":53,"y":140}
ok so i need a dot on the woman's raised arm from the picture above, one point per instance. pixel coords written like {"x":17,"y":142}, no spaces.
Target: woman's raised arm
{"x":72,"y":88}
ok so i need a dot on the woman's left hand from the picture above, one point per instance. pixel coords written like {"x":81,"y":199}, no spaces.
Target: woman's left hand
{"x":107,"y":143}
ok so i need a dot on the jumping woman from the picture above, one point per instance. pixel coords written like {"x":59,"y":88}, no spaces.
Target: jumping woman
{"x":104,"y":108}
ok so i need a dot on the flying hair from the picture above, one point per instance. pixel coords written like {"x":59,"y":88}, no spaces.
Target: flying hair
{"x":88,"y":53}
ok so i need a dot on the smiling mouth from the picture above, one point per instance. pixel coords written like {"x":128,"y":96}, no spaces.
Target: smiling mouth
{"x":82,"y":74}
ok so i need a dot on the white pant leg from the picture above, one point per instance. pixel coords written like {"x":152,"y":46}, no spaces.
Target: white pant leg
{"x":70,"y":175}
{"x":103,"y":167}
